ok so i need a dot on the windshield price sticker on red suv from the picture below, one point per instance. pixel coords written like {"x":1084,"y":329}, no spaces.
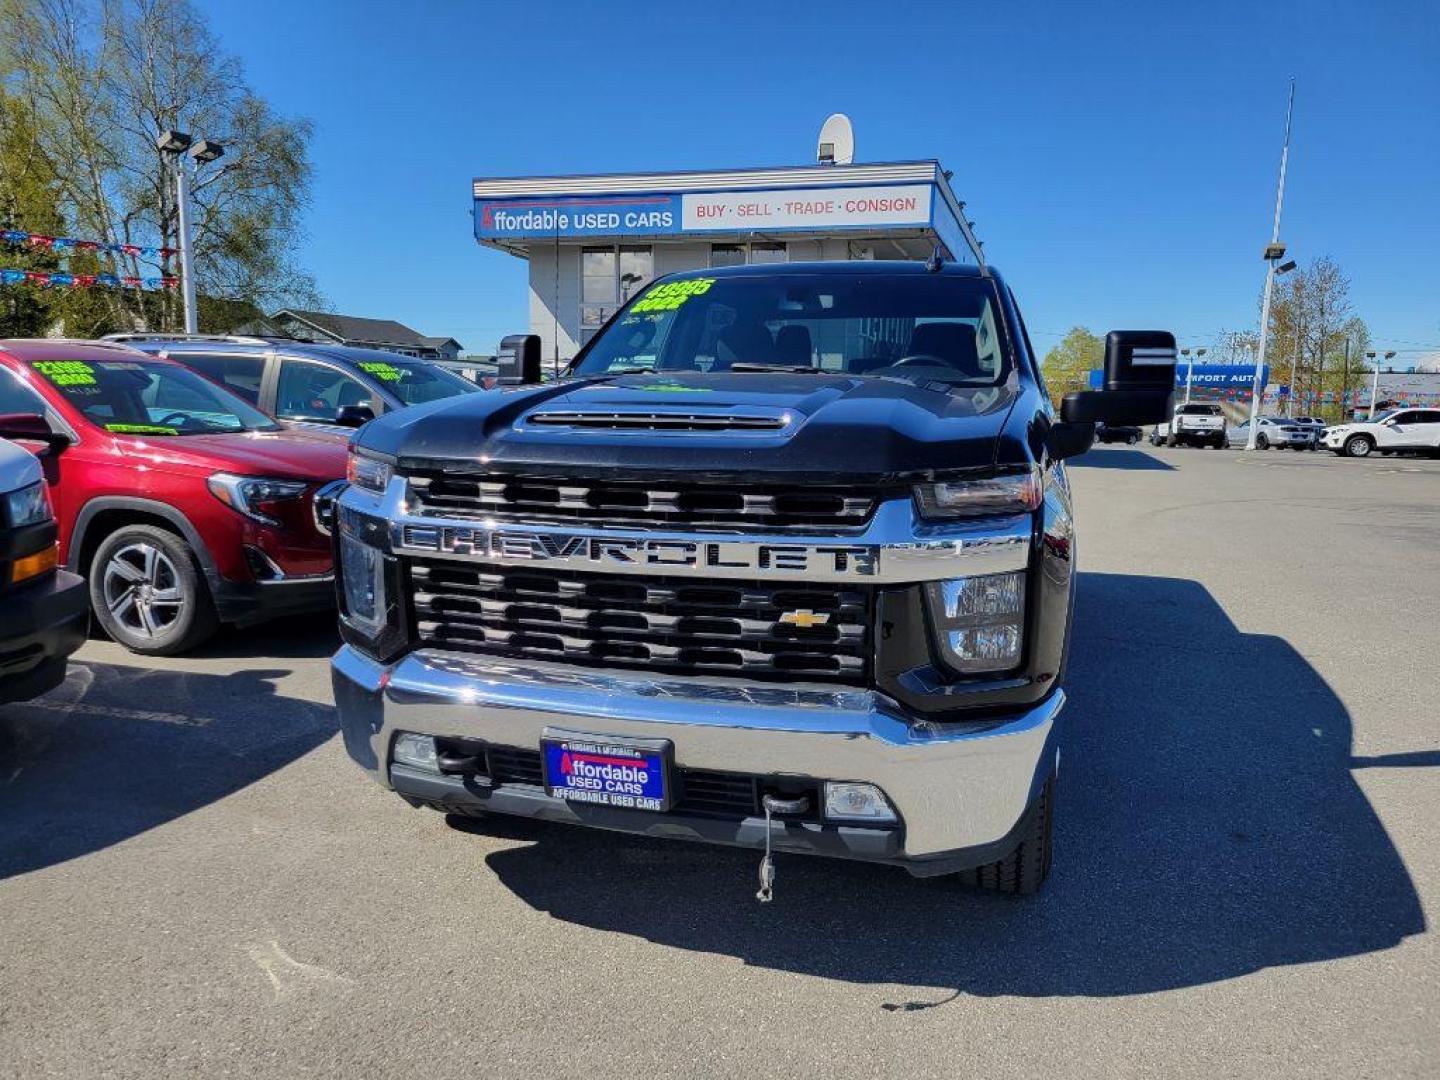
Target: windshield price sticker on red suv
{"x":600,"y":770}
{"x":66,"y":372}
{"x":672,"y":294}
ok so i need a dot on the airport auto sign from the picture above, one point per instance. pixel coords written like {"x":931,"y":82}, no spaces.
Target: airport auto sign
{"x":1213,"y":376}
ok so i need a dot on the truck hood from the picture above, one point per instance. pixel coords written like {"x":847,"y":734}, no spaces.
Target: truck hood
{"x":293,"y":455}
{"x":825,"y":426}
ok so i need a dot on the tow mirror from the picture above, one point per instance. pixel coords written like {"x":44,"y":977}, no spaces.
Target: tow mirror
{"x":32,"y":427}
{"x":518,"y":361}
{"x":1139,"y":381}
{"x":1067,"y":439}
{"x":354,"y":415}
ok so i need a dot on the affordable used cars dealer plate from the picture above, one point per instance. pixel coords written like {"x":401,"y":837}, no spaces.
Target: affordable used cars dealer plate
{"x":609,"y":771}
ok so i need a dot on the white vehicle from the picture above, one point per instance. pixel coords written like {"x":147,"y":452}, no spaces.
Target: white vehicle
{"x":1195,"y":424}
{"x":1276,"y":431}
{"x":1398,"y":431}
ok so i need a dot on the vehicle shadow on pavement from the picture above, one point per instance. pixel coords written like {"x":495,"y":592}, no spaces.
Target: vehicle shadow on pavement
{"x":1198,"y":839}
{"x":118,"y":750}
{"x":1100,"y":457}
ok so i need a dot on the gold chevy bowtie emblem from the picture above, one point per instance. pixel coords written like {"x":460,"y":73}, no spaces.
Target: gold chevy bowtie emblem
{"x":805,"y":618}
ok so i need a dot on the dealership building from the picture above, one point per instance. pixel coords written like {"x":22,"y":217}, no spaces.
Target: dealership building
{"x":592,"y":242}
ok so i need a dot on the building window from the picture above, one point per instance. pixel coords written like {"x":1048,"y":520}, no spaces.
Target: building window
{"x":727,"y":254}
{"x":609,"y":276}
{"x":740,"y":254}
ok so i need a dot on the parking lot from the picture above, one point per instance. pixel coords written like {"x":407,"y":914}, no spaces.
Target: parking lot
{"x":194,"y":878}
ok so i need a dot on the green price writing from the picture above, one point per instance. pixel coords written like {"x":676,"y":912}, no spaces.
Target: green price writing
{"x":66,"y":372}
{"x":672,"y":294}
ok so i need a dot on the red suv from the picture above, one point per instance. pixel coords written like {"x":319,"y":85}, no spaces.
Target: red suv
{"x":183,"y":505}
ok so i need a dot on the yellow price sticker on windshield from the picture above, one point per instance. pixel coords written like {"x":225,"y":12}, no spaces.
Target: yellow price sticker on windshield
{"x":672,"y":294}
{"x":66,"y":372}
{"x":383,"y":372}
{"x":142,"y":429}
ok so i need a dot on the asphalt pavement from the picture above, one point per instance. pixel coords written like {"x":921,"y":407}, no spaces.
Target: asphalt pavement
{"x":194,"y":880}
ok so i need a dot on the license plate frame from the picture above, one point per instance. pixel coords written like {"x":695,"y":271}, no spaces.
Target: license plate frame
{"x":610,"y":764}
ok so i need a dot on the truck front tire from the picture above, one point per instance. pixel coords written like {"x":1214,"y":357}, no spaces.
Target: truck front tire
{"x":1025,"y":869}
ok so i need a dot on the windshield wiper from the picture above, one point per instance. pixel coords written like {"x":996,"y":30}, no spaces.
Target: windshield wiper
{"x":807,"y":369}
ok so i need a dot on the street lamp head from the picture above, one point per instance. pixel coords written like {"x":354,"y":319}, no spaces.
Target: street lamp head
{"x":1184,"y":352}
{"x":173,"y":142}
{"x":1370,"y":353}
{"x":1274,"y":251}
{"x":207,"y":150}
{"x":1283,"y":268}
{"x":1201,"y":352}
{"x":1390,"y":355}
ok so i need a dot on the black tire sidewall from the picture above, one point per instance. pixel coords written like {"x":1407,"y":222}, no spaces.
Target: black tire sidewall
{"x":197,"y":621}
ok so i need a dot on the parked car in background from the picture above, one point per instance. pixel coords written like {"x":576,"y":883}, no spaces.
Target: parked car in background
{"x":1397,"y":432}
{"x":44,"y":611}
{"x":1195,"y":424}
{"x":1277,"y":431}
{"x":332,"y":386}
{"x":183,"y":505}
{"x":1112,"y":433}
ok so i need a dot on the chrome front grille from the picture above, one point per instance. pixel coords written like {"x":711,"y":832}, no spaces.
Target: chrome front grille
{"x":807,"y":632}
{"x":536,"y":501}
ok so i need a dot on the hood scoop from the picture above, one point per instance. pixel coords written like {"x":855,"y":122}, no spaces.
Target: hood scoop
{"x":654,"y":420}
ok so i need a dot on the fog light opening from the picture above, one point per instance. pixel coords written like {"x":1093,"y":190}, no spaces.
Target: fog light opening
{"x":416,"y":751}
{"x":847,"y":801}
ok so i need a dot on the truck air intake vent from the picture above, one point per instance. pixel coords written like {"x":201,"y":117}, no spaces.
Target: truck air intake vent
{"x":660,"y":421}
{"x":538,"y":501}
{"x":684,"y":625}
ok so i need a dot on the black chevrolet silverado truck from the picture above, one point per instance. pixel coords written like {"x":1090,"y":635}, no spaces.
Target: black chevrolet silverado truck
{"x":785,"y":559}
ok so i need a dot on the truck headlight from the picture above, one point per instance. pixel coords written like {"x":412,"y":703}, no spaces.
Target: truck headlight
{"x":367,"y":473}
{"x":1008,"y":493}
{"x":980,"y":621}
{"x":28,"y":506}
{"x":372,"y":614}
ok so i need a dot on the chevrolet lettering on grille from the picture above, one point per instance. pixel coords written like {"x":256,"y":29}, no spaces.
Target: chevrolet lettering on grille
{"x":641,"y":554}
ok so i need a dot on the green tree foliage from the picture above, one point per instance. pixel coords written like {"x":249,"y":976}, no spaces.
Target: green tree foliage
{"x":1317,"y":342}
{"x":98,"y":80}
{"x":1068,"y":365}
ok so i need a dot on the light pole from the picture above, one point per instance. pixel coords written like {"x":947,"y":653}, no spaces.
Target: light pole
{"x":1274,"y":252}
{"x":1190,"y":368}
{"x":174,"y":144}
{"x":1375,"y":378}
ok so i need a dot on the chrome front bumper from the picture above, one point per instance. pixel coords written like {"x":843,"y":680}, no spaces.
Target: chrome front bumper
{"x":956,"y":788}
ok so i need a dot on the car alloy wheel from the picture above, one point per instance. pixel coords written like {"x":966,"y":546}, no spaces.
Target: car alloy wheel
{"x":142,"y":590}
{"x":1358,"y":446}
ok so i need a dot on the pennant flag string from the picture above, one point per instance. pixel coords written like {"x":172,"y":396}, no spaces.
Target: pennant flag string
{"x":62,"y":244}
{"x":85,"y":281}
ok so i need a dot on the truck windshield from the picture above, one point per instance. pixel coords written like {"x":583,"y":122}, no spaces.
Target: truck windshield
{"x":932,"y":327}
{"x":137,"y":397}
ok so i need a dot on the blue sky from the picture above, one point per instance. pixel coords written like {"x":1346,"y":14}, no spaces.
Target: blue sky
{"x":1119,"y":159}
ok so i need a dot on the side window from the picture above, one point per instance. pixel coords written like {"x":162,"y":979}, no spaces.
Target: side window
{"x":238,"y":374}
{"x":310,"y":391}
{"x":16,"y":397}
{"x":1411,"y":417}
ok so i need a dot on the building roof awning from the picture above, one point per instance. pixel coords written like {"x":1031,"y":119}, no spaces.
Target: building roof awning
{"x":904,"y":199}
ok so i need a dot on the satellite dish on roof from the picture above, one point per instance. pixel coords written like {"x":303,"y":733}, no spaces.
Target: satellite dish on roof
{"x":837,"y":141}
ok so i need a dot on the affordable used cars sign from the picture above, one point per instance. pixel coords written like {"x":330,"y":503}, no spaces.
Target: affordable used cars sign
{"x":600,"y":215}
{"x":790,"y":209}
